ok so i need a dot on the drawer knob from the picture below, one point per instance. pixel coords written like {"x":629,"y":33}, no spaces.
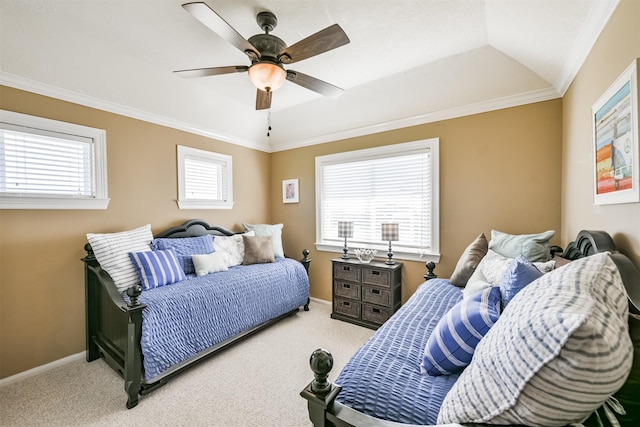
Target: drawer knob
{"x":345,"y":268}
{"x":346,"y":285}
{"x":375,"y":310}
{"x":347,"y":303}
{"x":375,"y":291}
{"x":375,"y":273}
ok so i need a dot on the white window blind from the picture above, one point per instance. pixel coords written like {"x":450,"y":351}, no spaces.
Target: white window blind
{"x":204,"y":179}
{"x":44,"y":165}
{"x":380,"y":185}
{"x":47,"y":164}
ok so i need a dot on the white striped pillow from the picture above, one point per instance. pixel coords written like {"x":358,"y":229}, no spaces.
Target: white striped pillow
{"x":112,"y":252}
{"x":558,"y":351}
{"x":157,"y":268}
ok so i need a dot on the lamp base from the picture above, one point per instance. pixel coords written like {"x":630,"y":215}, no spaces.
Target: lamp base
{"x":345,"y":250}
{"x":390,"y":260}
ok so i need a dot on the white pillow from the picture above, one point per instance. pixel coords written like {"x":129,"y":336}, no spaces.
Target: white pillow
{"x":558,"y":351}
{"x":210,"y":263}
{"x":233,"y":246}
{"x":273,"y":230}
{"x":112,"y":252}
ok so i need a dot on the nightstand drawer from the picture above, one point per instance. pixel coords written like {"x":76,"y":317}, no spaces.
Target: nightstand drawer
{"x":374,"y":314}
{"x":346,"y":272}
{"x":372,"y":276}
{"x":347,"y":290}
{"x":348,"y":308}
{"x":376,"y":296}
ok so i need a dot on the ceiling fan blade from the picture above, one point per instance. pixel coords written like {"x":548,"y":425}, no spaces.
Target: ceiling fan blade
{"x":203,"y":13}
{"x":316,"y":85}
{"x":320,"y":42}
{"x":213,"y":71}
{"x":263,"y":100}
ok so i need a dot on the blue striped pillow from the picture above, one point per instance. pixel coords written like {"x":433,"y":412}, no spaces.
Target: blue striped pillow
{"x":451,"y":345}
{"x":157,"y":268}
{"x":184,"y":247}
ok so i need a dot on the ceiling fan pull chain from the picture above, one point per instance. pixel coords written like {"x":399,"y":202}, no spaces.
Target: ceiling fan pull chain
{"x":269,"y":123}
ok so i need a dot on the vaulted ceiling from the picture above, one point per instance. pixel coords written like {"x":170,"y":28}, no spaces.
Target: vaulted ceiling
{"x":408,"y":61}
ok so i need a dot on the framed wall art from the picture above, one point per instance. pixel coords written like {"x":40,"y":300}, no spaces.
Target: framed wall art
{"x":290,"y":191}
{"x":615,"y":141}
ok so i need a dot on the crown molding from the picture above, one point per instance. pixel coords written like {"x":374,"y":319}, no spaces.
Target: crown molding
{"x":40,"y":88}
{"x":436,"y":116}
{"x":594,"y":24}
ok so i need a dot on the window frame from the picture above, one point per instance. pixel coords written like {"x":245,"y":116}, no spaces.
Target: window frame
{"x":205,"y":156}
{"x":416,"y":254}
{"x":100,"y":199}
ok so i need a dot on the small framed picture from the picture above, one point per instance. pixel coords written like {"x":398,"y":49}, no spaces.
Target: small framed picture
{"x":290,"y":191}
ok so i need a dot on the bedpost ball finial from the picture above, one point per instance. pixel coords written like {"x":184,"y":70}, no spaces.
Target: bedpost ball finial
{"x":321,"y":364}
{"x":430,"y":274}
{"x":134,"y":292}
{"x":305,"y":254}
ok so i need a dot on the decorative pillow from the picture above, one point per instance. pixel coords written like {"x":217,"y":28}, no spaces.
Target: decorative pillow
{"x":157,"y":268}
{"x":258,"y":250}
{"x":233,"y":246}
{"x":185,"y":247}
{"x":469,"y":261}
{"x":112,"y":252}
{"x":210,"y":263}
{"x":491,"y":270}
{"x":534,"y":247}
{"x":559,"y":350}
{"x":275,"y":231}
{"x":518,"y":275}
{"x":451,"y":345}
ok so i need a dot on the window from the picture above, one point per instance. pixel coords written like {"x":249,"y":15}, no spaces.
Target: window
{"x":204,"y":179}
{"x":395,"y":183}
{"x":47,"y":164}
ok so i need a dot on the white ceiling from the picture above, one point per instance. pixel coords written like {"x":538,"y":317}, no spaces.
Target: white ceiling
{"x":409,"y":61}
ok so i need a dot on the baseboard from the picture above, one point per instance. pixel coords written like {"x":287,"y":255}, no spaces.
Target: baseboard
{"x":40,"y":369}
{"x":320,"y":301}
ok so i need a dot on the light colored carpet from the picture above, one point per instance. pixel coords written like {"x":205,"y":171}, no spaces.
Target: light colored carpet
{"x":254,"y":383}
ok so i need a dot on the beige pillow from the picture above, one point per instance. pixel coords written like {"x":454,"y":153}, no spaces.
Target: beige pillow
{"x":469,"y":261}
{"x":257,"y":249}
{"x":210,"y":263}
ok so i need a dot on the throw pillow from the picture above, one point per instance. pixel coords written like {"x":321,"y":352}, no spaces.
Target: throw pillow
{"x":157,"y":268}
{"x":210,"y":263}
{"x":534,"y":247}
{"x":517,"y":275}
{"x":112,"y":252}
{"x":469,"y":261}
{"x":275,"y":231}
{"x":258,"y":250}
{"x":488,"y":273}
{"x":562,"y":347}
{"x":233,"y":246}
{"x":451,"y":345}
{"x":185,"y":247}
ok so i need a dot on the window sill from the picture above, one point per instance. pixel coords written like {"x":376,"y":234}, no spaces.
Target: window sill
{"x":203,"y":204}
{"x":382,"y":253}
{"x":9,"y":202}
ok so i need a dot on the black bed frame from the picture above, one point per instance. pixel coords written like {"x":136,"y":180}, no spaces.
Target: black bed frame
{"x":114,"y":326}
{"x":324,"y":411}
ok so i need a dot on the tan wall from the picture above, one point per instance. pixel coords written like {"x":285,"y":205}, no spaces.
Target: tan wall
{"x":617,"y":46}
{"x":498,"y":170}
{"x":41,"y":276}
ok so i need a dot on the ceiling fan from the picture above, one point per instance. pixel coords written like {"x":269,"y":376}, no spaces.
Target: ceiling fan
{"x":268,"y":53}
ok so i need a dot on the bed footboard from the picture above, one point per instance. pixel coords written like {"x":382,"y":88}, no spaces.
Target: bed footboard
{"x":113,"y":326}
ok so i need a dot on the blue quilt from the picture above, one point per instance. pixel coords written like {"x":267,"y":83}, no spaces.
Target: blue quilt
{"x":184,"y":318}
{"x":383,"y":377}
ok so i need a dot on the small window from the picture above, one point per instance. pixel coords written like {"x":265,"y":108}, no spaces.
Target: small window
{"x":390,"y":184}
{"x":204,"y":179}
{"x":48,"y":164}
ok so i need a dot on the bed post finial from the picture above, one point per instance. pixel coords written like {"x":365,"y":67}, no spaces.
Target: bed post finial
{"x":134,"y":292}
{"x":321,"y":363}
{"x":430,"y":274}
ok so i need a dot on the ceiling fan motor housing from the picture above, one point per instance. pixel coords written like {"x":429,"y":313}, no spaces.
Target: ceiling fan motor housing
{"x":269,"y":47}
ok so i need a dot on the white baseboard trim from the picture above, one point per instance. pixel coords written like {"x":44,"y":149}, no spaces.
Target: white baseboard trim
{"x":320,"y":301}
{"x":40,"y":369}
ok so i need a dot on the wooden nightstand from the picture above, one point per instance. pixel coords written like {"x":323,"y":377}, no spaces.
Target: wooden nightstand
{"x":365,"y":294}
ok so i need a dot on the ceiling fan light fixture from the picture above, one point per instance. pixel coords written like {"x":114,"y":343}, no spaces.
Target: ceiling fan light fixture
{"x":267,"y":76}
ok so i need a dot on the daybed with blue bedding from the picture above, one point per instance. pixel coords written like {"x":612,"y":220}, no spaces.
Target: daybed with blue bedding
{"x":553,"y":349}
{"x":157,"y":305}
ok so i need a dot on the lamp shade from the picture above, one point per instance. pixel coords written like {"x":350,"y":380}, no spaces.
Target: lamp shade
{"x":390,"y":232}
{"x":345,"y":229}
{"x":267,"y":76}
